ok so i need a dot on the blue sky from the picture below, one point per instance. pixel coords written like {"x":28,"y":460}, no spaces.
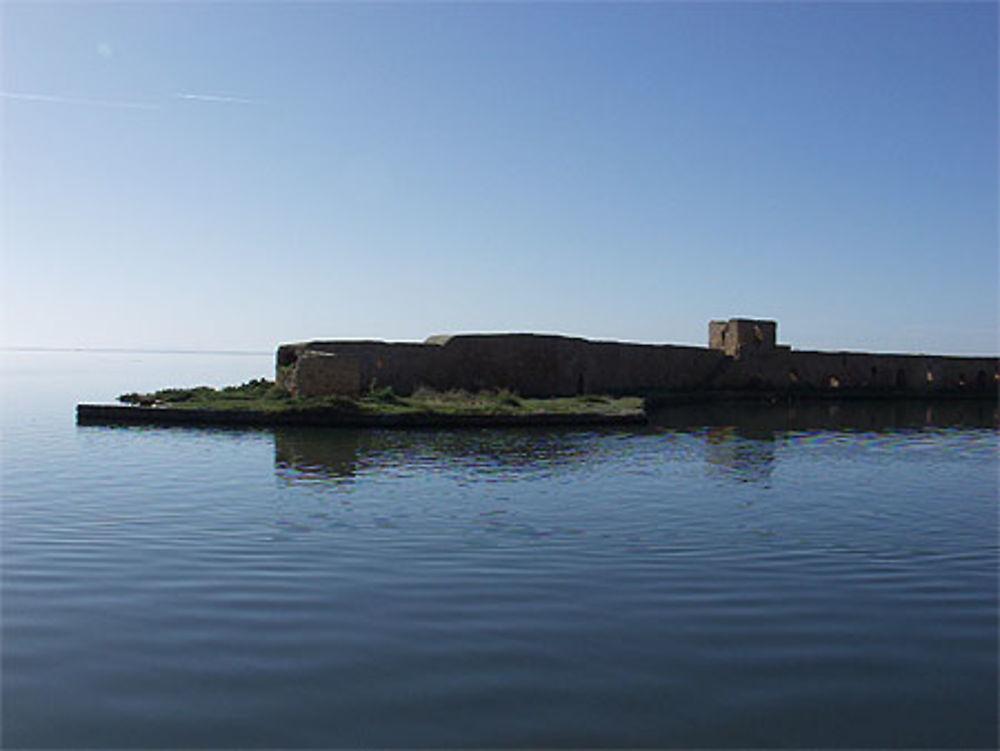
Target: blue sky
{"x":231,"y":176}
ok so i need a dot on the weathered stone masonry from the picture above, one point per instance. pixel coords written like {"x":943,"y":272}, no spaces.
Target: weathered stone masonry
{"x":743,"y":355}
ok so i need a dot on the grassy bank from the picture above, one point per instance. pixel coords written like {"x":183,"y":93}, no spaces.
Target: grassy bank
{"x":262,"y":395}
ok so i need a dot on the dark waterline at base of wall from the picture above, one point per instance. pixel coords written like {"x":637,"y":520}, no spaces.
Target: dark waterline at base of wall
{"x":658,"y":399}
{"x":755,"y":418}
{"x":107,"y":414}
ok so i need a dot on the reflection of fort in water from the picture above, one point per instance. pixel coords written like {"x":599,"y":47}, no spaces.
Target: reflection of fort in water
{"x":740,"y":439}
{"x":740,"y":456}
{"x":756,"y":420}
{"x":343,"y":453}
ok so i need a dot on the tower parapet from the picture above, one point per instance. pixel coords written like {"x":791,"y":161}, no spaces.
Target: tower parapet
{"x":739,"y":337}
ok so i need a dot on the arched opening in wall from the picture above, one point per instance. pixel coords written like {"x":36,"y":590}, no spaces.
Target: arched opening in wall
{"x":793,"y":377}
{"x":930,"y":377}
{"x":833,"y":382}
{"x":981,"y":380}
{"x":900,"y":379}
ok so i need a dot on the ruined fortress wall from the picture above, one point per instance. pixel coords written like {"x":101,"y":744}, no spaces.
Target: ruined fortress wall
{"x":918,"y":375}
{"x":322,"y":373}
{"x":610,"y":367}
{"x":539,"y":365}
{"x":531,"y":365}
{"x":562,"y":366}
{"x":403,"y":366}
{"x":525,"y":363}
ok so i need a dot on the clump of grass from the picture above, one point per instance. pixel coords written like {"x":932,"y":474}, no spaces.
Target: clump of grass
{"x":384,"y":395}
{"x":459,"y":400}
{"x":504,"y":401}
{"x":428,"y":398}
{"x":264,"y":395}
{"x":143,"y":400}
{"x":256,"y":390}
{"x":508,"y":397}
{"x":334,"y":401}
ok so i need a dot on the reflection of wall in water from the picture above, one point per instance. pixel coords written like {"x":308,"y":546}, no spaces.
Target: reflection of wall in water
{"x":310,"y":453}
{"x":303,"y":453}
{"x":754,"y":419}
{"x":740,"y":438}
{"x":748,"y":456}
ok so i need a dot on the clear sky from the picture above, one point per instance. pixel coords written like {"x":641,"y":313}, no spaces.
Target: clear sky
{"x":232,"y":176}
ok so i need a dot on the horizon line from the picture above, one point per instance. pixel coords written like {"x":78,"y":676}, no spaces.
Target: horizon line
{"x":138,"y":350}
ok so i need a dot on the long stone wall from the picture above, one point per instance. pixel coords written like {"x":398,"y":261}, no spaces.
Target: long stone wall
{"x":541,"y":365}
{"x":528,"y":364}
{"x":859,"y":372}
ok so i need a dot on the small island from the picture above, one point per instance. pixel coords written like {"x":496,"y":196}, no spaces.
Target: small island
{"x":486,"y":380}
{"x":261,"y":403}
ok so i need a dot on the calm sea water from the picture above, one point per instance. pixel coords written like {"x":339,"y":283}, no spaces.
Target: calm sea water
{"x":728,"y":578}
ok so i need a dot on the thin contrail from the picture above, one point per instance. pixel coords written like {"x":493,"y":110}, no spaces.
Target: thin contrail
{"x":220,"y":98}
{"x":56,"y":99}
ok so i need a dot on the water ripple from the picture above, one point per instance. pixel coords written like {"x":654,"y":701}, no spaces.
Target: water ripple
{"x":701,"y":585}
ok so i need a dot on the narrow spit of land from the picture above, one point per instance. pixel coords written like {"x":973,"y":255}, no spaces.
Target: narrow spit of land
{"x":261,"y":402}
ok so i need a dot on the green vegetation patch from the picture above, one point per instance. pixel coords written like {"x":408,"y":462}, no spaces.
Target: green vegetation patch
{"x":263,"y":395}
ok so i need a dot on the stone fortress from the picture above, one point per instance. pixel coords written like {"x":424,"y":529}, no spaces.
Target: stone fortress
{"x":743,"y":357}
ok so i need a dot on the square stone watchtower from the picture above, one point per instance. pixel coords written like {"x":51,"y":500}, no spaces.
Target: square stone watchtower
{"x":740,"y":337}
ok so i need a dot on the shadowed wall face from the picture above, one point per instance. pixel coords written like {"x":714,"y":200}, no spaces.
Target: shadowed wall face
{"x":860,"y":373}
{"x":322,"y":373}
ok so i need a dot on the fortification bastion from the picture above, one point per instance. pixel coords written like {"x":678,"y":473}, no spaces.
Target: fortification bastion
{"x":743,"y":356}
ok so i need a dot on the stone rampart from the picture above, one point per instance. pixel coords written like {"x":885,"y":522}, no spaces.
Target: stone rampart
{"x":743,"y":357}
{"x":319,"y":373}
